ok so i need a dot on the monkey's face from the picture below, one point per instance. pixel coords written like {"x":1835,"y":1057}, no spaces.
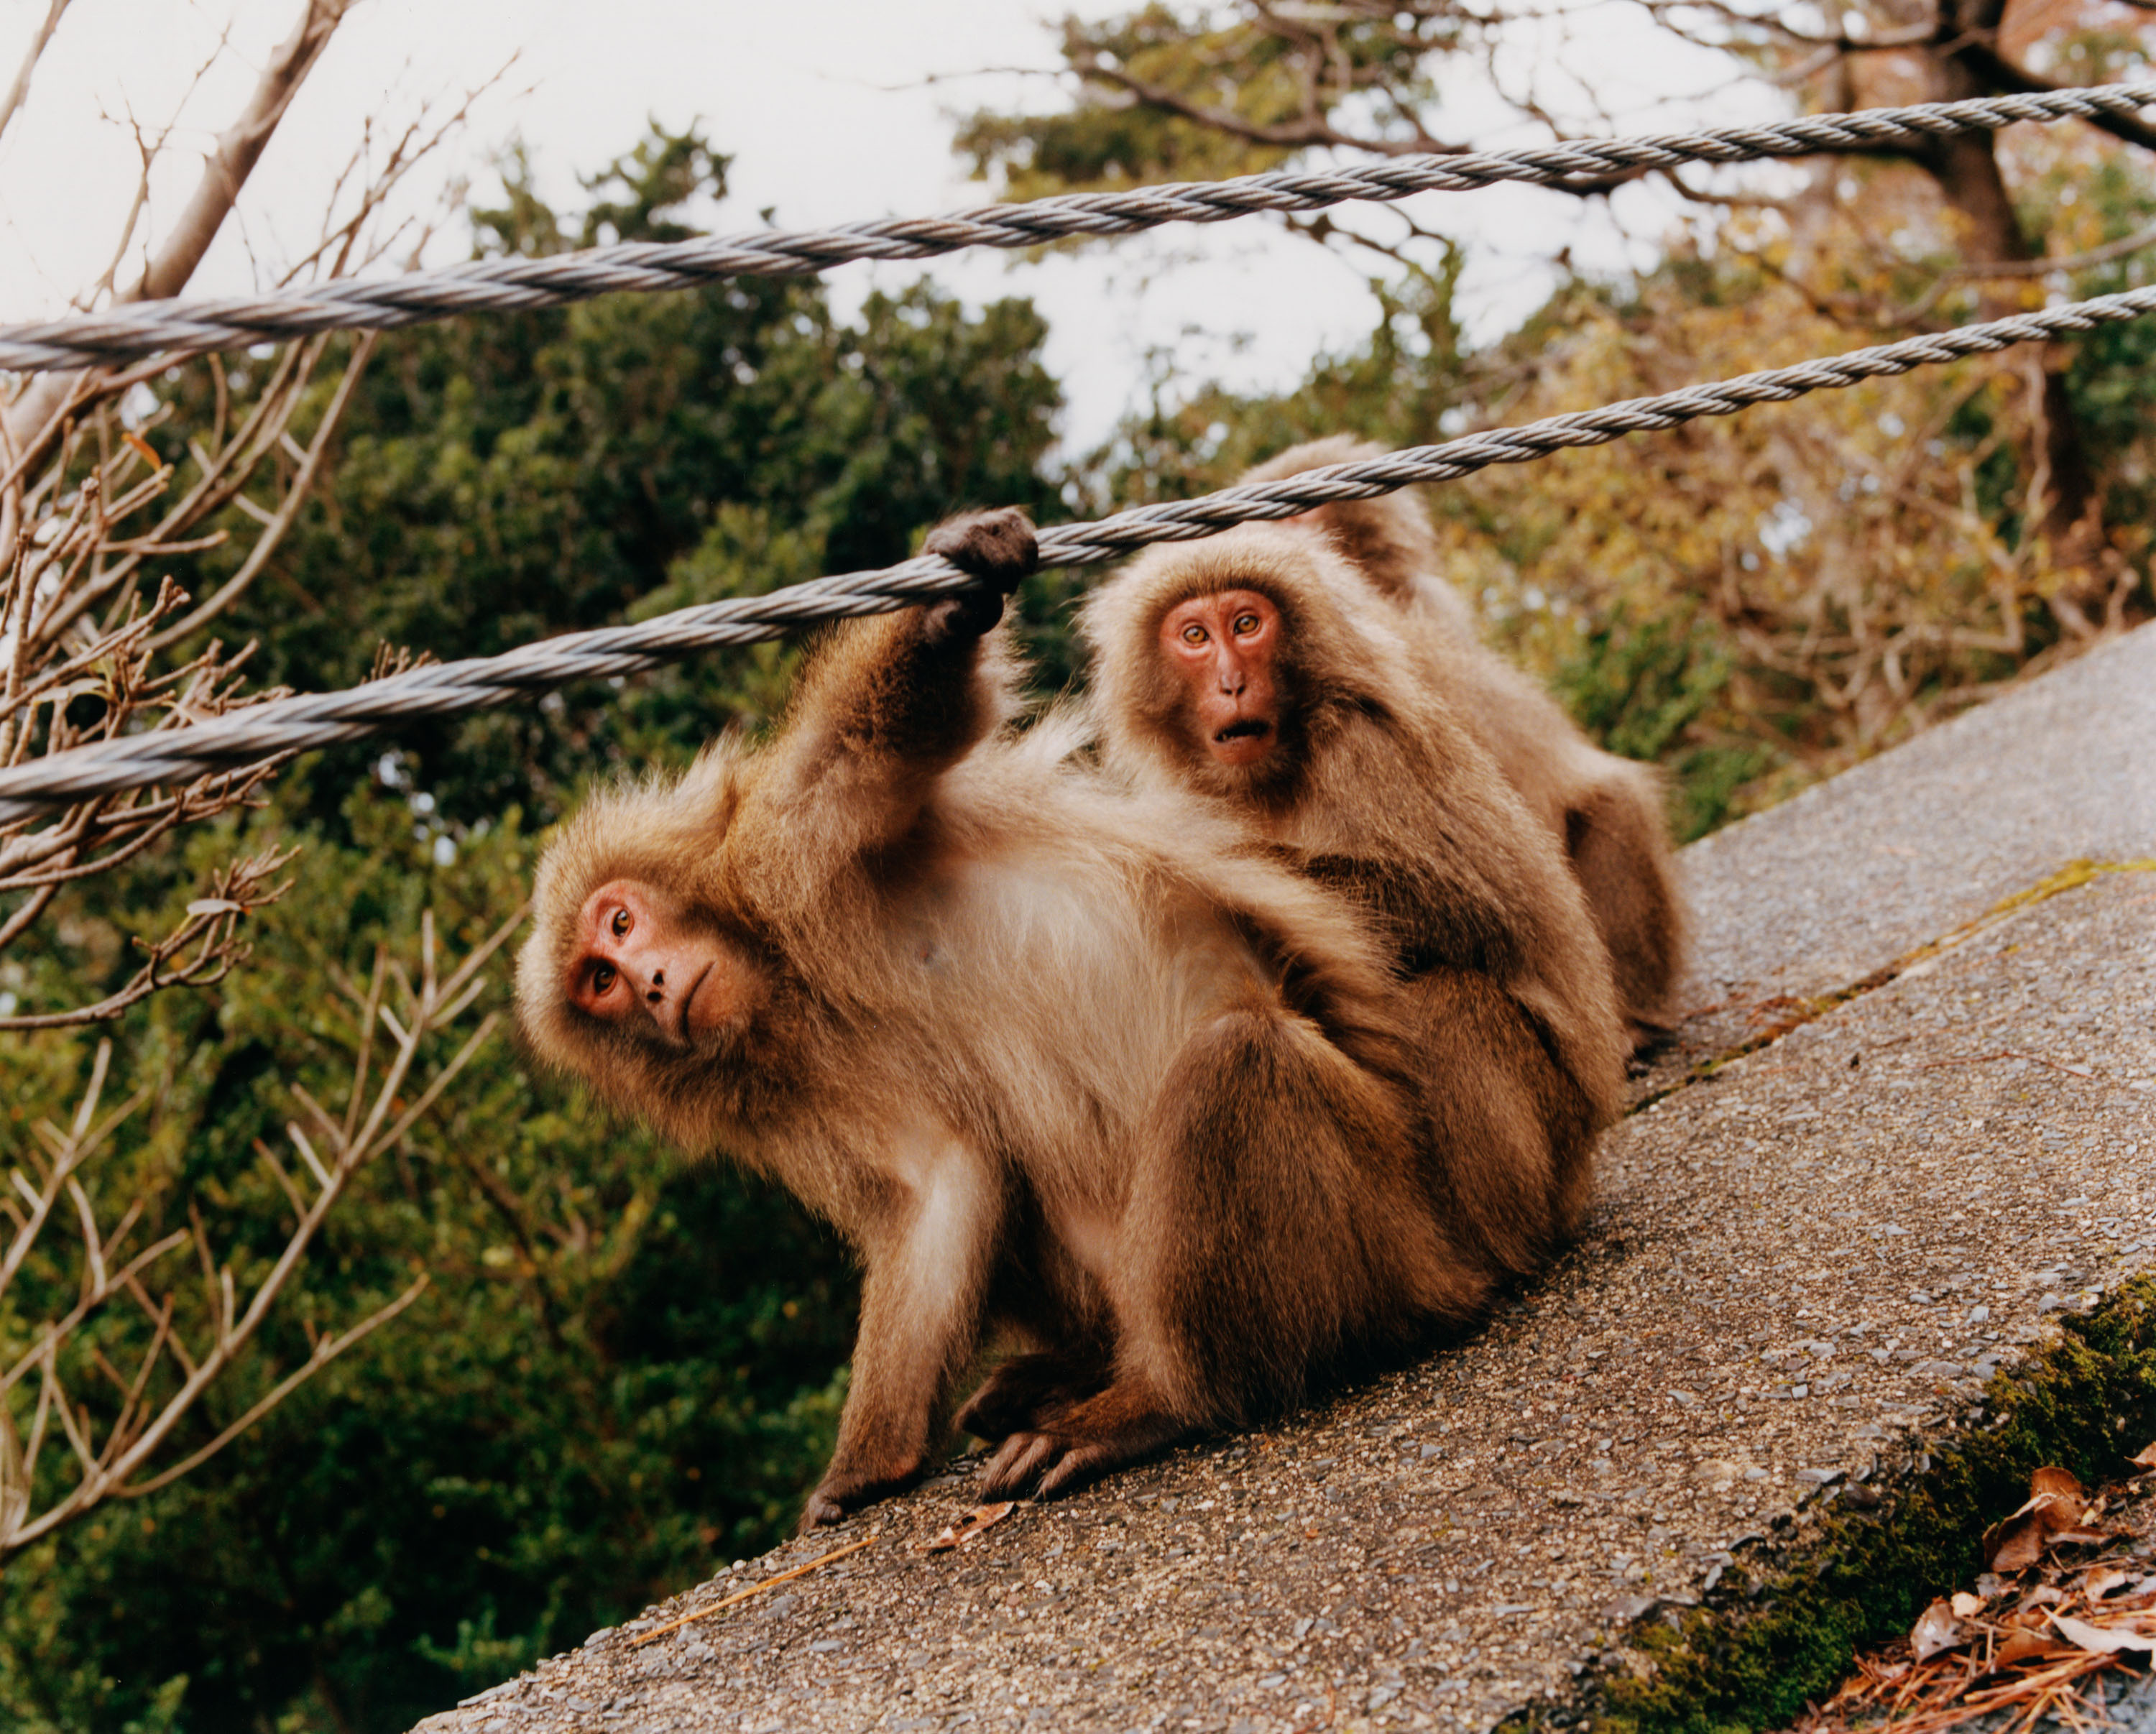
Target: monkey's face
{"x":1224,"y":652}
{"x":641,"y":966}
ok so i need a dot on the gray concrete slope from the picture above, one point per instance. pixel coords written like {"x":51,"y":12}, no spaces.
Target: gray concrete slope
{"x":1855,"y":871}
{"x":1823,"y":1247}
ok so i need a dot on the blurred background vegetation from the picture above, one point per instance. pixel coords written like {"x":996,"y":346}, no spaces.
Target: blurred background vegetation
{"x":625,"y":1371}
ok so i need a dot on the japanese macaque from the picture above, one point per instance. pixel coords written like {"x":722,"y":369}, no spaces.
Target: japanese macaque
{"x":1063,"y":1062}
{"x":1258,"y":669}
{"x":1607,"y":811}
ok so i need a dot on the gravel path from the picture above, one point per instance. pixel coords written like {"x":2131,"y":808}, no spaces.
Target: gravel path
{"x":1826,"y":1245}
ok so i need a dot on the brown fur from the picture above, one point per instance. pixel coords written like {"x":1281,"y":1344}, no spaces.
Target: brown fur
{"x":1607,"y":811}
{"x":1058,"y":1060}
{"x":1376,"y":787}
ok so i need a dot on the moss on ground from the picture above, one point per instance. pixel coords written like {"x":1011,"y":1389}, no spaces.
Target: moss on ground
{"x":1773,"y":1643}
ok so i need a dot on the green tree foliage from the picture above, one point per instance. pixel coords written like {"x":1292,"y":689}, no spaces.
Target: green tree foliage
{"x":1197,"y":93}
{"x":626,"y":1368}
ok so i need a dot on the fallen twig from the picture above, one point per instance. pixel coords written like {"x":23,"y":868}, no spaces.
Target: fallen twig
{"x":754,"y":1589}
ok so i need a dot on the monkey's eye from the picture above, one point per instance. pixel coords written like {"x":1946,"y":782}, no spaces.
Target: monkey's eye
{"x":621,"y":922}
{"x":1245,"y":624}
{"x":1193,"y":634}
{"x":603,"y":980}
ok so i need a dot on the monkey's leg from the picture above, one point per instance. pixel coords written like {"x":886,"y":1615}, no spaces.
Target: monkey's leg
{"x":1276,"y":1219}
{"x":1509,"y":1133}
{"x":1026,"y":1387}
{"x":1619,"y":847}
{"x":922,"y":1299}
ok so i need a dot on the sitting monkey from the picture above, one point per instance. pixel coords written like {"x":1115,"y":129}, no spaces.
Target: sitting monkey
{"x":1606,"y":811}
{"x":1260,"y":671}
{"x":1058,"y":1060}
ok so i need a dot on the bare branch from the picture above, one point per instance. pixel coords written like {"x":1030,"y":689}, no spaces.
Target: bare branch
{"x":326,"y":1351}
{"x":296,"y":493}
{"x":1980,"y":54}
{"x":239,"y":149}
{"x":120,"y":1461}
{"x":1299,"y":135}
{"x":21,"y":88}
{"x":30,"y":422}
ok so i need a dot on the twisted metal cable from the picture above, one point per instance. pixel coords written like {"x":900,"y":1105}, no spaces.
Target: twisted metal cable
{"x":290,"y":725}
{"x":145,"y":328}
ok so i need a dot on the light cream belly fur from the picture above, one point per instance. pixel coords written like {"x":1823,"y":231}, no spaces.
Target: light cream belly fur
{"x":1077,"y":1000}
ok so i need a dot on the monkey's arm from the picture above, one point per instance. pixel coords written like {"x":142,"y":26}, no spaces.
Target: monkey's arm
{"x":884,"y":707}
{"x":921,"y":1295}
{"x":1432,"y":913}
{"x":1427,"y":843}
{"x":1459,"y":874}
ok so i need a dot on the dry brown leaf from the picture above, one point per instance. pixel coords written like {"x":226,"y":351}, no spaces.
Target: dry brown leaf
{"x":2099,"y":1582}
{"x":2021,"y":1646}
{"x":2103,"y":1640}
{"x":956,"y":1535}
{"x":1936,"y":1629}
{"x":2018,"y":1543}
{"x":1966,"y":1606}
{"x":2146,"y":1456}
{"x":2056,"y":1505}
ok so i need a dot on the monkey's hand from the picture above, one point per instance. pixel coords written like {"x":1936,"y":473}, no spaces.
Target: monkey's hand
{"x":843,"y":1492}
{"x":996,"y":550}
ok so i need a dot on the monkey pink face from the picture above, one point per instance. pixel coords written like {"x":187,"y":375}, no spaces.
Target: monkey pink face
{"x":1223,"y":648}
{"x":643,"y":968}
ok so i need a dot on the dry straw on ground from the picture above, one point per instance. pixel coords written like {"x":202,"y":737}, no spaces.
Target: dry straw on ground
{"x":2067,"y":1602}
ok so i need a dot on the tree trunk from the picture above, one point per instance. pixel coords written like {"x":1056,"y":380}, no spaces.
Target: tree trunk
{"x":2069,"y":515}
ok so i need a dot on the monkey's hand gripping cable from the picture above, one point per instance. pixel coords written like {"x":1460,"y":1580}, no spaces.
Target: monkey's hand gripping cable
{"x":179,"y":754}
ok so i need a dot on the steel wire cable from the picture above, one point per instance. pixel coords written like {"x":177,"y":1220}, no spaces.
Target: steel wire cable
{"x":312,"y":720}
{"x":144,"y":328}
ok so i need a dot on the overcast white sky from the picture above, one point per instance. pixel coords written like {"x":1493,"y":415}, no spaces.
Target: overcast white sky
{"x":830,"y":114}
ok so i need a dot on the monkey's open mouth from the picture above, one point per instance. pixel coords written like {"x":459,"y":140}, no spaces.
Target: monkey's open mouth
{"x":1250,"y":728}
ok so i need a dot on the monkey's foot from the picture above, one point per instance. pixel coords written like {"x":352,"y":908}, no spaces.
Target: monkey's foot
{"x":1651,"y":1039}
{"x":1025,"y":1387}
{"x":1071,"y":1445}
